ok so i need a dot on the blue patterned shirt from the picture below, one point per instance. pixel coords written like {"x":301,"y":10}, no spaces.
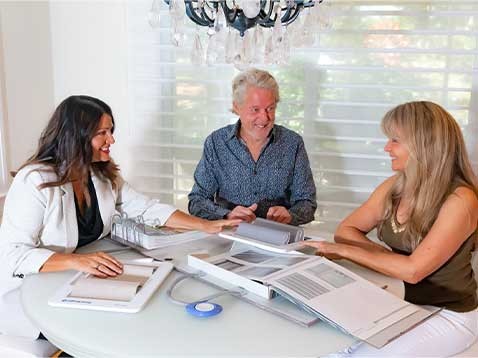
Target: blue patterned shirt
{"x":227,"y":176}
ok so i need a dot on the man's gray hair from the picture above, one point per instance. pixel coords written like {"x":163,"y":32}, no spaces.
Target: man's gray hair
{"x":253,"y":77}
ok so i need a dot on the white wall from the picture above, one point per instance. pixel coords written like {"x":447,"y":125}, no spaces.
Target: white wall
{"x":89,"y":51}
{"x":52,"y":50}
{"x":28,"y":77}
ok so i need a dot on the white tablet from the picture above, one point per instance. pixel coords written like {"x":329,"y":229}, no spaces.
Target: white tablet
{"x":128,"y":292}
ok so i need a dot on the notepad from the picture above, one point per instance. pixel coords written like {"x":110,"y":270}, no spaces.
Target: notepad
{"x":127,"y":292}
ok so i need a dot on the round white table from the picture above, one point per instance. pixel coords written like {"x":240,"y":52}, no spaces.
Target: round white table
{"x":165,"y":329}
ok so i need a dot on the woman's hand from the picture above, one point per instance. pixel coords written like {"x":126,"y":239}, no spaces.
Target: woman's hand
{"x":327,"y":249}
{"x":97,"y":263}
{"x":180,"y":220}
{"x":215,"y":226}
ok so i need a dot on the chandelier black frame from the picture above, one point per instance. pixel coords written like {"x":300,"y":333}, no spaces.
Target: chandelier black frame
{"x":235,"y":17}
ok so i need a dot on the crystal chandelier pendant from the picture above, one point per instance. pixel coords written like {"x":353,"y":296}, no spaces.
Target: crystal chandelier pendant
{"x":211,"y":52}
{"x":285,"y":50}
{"x":269,"y":51}
{"x":154,"y":14}
{"x":230,"y":46}
{"x":310,"y":29}
{"x":251,"y":8}
{"x":259,"y":43}
{"x":197,"y":52}
{"x":243,"y":32}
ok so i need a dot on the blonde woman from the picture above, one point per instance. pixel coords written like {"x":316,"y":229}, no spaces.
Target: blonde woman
{"x":427,"y":214}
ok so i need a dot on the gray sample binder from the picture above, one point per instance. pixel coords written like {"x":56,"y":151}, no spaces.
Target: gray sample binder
{"x":267,"y":235}
{"x":320,"y":287}
{"x":271,"y":232}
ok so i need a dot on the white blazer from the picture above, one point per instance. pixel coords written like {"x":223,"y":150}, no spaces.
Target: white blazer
{"x":39,"y":222}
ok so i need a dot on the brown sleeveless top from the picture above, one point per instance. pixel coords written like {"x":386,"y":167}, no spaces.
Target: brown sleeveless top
{"x":452,"y":286}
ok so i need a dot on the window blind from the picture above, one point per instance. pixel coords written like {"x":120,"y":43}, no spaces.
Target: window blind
{"x":377,"y":54}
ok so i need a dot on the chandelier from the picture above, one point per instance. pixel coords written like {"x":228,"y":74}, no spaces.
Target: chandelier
{"x":243,"y":32}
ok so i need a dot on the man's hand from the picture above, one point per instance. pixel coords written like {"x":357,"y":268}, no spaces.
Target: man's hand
{"x":244,"y":213}
{"x":279,"y":214}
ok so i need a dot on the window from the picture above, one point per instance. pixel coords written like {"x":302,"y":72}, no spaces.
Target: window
{"x":378,"y":54}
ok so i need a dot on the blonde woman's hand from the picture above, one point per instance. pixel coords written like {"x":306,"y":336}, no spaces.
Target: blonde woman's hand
{"x":215,"y":226}
{"x":326,"y":249}
{"x":97,"y":263}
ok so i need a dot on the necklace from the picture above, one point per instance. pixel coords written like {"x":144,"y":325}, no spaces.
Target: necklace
{"x":395,"y":228}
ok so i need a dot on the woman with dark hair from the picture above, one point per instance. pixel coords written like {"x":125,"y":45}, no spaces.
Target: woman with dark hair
{"x":63,"y":198}
{"x":427,"y":215}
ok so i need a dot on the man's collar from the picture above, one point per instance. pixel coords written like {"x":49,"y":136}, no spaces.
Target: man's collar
{"x":237,"y":127}
{"x":235,"y":130}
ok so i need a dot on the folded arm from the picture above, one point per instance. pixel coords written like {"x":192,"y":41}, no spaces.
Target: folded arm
{"x":456,"y":221}
{"x":353,"y":229}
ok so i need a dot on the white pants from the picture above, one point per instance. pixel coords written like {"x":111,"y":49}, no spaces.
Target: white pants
{"x":445,"y":334}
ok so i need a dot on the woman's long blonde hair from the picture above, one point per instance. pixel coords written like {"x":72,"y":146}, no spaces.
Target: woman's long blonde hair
{"x":437,"y":163}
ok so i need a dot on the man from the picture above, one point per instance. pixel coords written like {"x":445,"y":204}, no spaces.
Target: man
{"x":254,"y":167}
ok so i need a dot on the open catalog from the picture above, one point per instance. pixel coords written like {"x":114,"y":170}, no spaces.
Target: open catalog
{"x":136,"y":233}
{"x":319,"y":286}
{"x":127,"y":292}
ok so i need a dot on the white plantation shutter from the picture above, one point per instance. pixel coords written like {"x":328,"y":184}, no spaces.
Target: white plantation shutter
{"x":378,"y":54}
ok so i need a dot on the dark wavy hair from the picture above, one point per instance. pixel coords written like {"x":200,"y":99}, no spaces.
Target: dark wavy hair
{"x":65,"y":144}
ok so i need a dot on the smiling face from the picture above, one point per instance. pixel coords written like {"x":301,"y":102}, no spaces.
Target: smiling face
{"x":257,"y":113}
{"x":103,"y":139}
{"x":398,"y":151}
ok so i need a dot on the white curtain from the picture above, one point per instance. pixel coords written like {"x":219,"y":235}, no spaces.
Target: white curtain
{"x":378,"y":54}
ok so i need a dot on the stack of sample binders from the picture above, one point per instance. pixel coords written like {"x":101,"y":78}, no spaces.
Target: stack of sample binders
{"x":134,"y":232}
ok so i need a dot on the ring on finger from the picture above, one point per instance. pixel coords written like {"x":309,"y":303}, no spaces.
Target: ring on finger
{"x":97,"y":266}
